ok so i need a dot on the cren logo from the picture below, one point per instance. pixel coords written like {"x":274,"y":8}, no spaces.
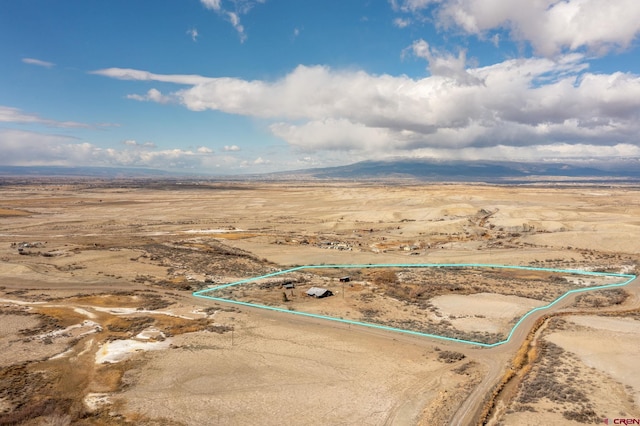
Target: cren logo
{"x":620,"y":421}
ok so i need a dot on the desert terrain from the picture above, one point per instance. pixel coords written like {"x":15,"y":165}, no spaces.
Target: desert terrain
{"x":98,"y":324}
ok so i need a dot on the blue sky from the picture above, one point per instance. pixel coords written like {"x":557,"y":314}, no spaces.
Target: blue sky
{"x":249,"y":86}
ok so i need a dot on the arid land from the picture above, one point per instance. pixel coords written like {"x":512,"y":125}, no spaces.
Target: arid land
{"x":98,"y":324}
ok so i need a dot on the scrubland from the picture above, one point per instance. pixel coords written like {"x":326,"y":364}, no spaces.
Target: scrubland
{"x":98,"y":324}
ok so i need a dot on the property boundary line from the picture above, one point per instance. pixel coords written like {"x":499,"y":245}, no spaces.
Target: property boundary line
{"x":629,"y":278}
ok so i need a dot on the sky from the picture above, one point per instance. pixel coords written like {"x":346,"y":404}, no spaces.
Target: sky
{"x":253,"y":86}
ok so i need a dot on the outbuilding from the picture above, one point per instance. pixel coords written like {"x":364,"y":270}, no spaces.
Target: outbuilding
{"x":318,"y":292}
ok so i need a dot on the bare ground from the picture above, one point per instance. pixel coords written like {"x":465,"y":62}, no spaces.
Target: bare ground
{"x":95,"y":269}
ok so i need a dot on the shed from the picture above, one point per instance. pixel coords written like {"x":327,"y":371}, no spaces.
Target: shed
{"x":319,"y":292}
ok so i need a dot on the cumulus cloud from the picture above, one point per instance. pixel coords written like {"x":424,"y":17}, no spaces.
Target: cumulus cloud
{"x":28,"y":148}
{"x":38,"y":62}
{"x":444,"y":63}
{"x":560,"y":152}
{"x":204,"y":150}
{"x":332,"y":134}
{"x":516,"y":103}
{"x":134,"y":143}
{"x":259,"y":163}
{"x":231,"y":148}
{"x":551,"y":26}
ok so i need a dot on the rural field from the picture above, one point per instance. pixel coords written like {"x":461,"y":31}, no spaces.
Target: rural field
{"x":99,"y":324}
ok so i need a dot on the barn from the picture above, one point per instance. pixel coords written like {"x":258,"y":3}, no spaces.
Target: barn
{"x":319,"y":292}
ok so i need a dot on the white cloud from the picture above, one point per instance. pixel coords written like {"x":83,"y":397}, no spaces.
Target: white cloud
{"x":259,"y":163}
{"x":234,"y":19}
{"x":153,"y":95}
{"x":331,"y":134}
{"x":551,"y":26}
{"x":444,"y":63}
{"x":134,"y":143}
{"x":16,"y":115}
{"x":401,"y":22}
{"x":211,"y":4}
{"x":411,"y":5}
{"x":231,"y":148}
{"x":38,"y":62}
{"x":570,"y":153}
{"x":193,"y":33}
{"x":232,"y":12}
{"x":204,"y":150}
{"x":516,"y":103}
{"x":131,"y":74}
{"x":26,"y":148}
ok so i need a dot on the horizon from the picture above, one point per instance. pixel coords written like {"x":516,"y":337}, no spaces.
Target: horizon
{"x":404,"y":170}
{"x":233,"y":87}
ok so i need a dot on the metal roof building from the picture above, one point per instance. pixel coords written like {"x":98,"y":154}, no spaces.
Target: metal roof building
{"x":319,"y":292}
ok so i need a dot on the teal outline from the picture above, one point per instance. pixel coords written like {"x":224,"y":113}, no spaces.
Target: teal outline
{"x":630,"y":277}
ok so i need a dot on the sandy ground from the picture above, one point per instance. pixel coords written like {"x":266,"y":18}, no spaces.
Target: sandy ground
{"x":484,"y":312}
{"x":286,"y":373}
{"x":605,"y":344}
{"x":595,"y":366}
{"x":118,"y":261}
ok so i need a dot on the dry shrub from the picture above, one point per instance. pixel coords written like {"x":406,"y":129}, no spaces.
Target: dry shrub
{"x":174,"y":326}
{"x":129,"y":325}
{"x":50,"y":408}
{"x":107,"y":377}
{"x":450,"y":357}
{"x":385,"y":277}
{"x":602,"y":298}
{"x":56,"y":420}
{"x":464,"y":368}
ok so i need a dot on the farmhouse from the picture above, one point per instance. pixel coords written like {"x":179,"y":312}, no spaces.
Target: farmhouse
{"x":319,"y":292}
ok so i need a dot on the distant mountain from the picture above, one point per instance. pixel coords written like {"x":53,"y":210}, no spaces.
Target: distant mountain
{"x":96,"y":172}
{"x":467,"y":171}
{"x":413,"y":169}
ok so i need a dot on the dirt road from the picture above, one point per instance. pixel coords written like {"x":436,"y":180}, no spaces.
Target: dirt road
{"x":497,"y":359}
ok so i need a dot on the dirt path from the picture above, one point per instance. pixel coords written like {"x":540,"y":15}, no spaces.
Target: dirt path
{"x":497,"y":358}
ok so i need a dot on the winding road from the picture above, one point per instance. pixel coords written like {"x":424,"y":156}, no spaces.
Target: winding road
{"x":498,"y":358}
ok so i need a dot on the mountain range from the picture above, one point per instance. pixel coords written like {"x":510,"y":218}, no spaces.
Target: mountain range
{"x":469,"y":171}
{"x":403,"y":169}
